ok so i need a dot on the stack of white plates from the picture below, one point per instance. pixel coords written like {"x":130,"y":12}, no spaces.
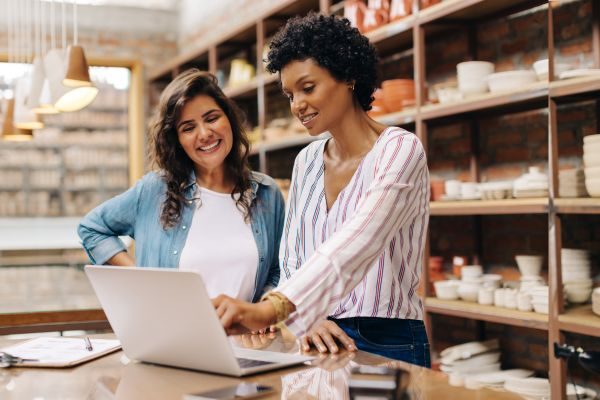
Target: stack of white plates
{"x":532,"y":184}
{"x":539,"y":299}
{"x":539,"y":389}
{"x":576,"y":275}
{"x":591,"y":159}
{"x":472,"y":357}
{"x":571,"y":183}
{"x":494,"y":380}
{"x":596,"y":301}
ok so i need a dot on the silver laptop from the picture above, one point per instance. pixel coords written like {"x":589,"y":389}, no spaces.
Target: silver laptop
{"x":164,"y":316}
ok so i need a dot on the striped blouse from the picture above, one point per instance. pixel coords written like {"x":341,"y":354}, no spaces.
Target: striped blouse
{"x":363,"y":256}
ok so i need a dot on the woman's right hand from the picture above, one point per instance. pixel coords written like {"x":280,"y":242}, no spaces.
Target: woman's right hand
{"x":323,"y":336}
{"x":238,"y":317}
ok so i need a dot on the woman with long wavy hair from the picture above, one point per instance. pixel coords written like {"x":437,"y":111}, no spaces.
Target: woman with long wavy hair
{"x":203,"y":209}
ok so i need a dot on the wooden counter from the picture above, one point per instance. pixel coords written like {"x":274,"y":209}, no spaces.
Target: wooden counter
{"x":116,"y":377}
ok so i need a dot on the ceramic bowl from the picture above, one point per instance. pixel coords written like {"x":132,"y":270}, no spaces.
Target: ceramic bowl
{"x":510,"y":80}
{"x":472,"y":77}
{"x":529,"y":265}
{"x":541,"y":69}
{"x":593,"y":187}
{"x":578,"y":296}
{"x":471,"y":271}
{"x":446,"y":290}
{"x":591,"y":139}
{"x":469,"y":291}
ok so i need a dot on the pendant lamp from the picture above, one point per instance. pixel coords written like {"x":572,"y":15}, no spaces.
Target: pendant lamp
{"x":76,"y":77}
{"x":24,"y":117}
{"x":9,"y":132}
{"x":39,"y":96}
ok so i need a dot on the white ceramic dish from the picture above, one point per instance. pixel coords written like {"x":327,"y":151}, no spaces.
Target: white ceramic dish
{"x":466,"y":350}
{"x":591,"y":139}
{"x":469,"y":291}
{"x":592,"y":172}
{"x":510,"y":80}
{"x":473,"y":271}
{"x":472,"y":77}
{"x":529,"y":265}
{"x":541,"y":69}
{"x":446,"y":290}
{"x":591,"y":159}
{"x":578,"y":296}
{"x":581,"y":72}
{"x":593,"y":187}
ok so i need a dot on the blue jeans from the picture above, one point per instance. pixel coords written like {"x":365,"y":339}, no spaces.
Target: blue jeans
{"x":399,"y":339}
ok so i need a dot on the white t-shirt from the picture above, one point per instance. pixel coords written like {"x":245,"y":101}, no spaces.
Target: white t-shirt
{"x":220,"y":247}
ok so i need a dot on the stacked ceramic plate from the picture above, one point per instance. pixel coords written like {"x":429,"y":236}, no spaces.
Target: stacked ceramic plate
{"x":596,"y":301}
{"x":539,"y":299}
{"x":571,"y":183}
{"x":591,"y":159}
{"x":532,"y":184}
{"x":539,"y":389}
{"x":576,"y":275}
{"x":494,"y":380}
{"x":471,"y":357}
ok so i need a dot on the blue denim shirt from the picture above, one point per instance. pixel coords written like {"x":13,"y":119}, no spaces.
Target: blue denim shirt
{"x":136,"y":213}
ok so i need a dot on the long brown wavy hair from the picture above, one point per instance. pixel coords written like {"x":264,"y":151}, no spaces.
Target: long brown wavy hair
{"x":168,"y":155}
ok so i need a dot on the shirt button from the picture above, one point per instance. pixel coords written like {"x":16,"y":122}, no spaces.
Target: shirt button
{"x":175,"y":252}
{"x":184,"y":227}
{"x":190,"y":202}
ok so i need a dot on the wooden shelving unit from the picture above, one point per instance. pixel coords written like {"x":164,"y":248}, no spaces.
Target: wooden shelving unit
{"x":409,"y":36}
{"x":490,"y":207}
{"x":586,"y":205}
{"x":499,"y":315}
{"x":581,"y":320}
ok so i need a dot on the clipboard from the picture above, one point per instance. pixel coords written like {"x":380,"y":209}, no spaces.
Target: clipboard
{"x":60,"y":352}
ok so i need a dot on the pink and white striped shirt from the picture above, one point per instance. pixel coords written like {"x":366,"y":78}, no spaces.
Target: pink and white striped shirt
{"x":362,"y":257}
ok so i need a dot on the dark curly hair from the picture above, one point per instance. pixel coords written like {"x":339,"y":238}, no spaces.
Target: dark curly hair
{"x":167,"y":153}
{"x":335,"y":45}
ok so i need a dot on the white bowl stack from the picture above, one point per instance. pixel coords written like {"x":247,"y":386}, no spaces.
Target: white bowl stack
{"x":571,"y":183}
{"x":591,"y":159}
{"x":576,"y":275}
{"x":530,"y":267}
{"x":539,"y":389}
{"x":470,"y":283}
{"x":531,"y":184}
{"x":469,"y":359}
{"x":596,"y":301}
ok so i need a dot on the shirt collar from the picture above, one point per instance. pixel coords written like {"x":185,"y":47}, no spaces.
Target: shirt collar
{"x":256,"y":179}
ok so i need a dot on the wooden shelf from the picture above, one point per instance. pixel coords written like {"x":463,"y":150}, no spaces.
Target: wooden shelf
{"x":490,"y":207}
{"x":585,"y":205}
{"x":580,"y":320}
{"x":404,"y":117}
{"x":500,"y":315}
{"x":529,"y":97}
{"x":575,"y":87}
{"x":284,"y":143}
{"x":397,"y":34}
{"x":461,"y":10}
{"x":244,"y":90}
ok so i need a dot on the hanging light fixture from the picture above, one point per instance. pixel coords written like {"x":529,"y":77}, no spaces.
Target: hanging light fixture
{"x":24,"y":117}
{"x":39,"y":97}
{"x":81,"y":92}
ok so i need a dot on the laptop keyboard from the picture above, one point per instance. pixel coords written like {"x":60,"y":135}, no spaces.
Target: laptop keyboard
{"x":247,"y":363}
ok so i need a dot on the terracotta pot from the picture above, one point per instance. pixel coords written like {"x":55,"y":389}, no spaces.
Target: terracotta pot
{"x":354,"y":10}
{"x":378,"y":104}
{"x":400,"y":9}
{"x":374,"y":19}
{"x":436,"y":263}
{"x":428,"y":3}
{"x":437,"y":190}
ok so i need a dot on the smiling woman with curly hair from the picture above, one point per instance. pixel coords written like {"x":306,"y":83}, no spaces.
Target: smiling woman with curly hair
{"x":201,"y":203}
{"x":358,"y":211}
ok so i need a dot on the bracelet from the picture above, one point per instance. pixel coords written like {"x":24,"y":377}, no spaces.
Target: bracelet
{"x":283,"y":307}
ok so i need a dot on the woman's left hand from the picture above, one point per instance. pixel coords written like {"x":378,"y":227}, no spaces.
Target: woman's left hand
{"x":239,"y":317}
